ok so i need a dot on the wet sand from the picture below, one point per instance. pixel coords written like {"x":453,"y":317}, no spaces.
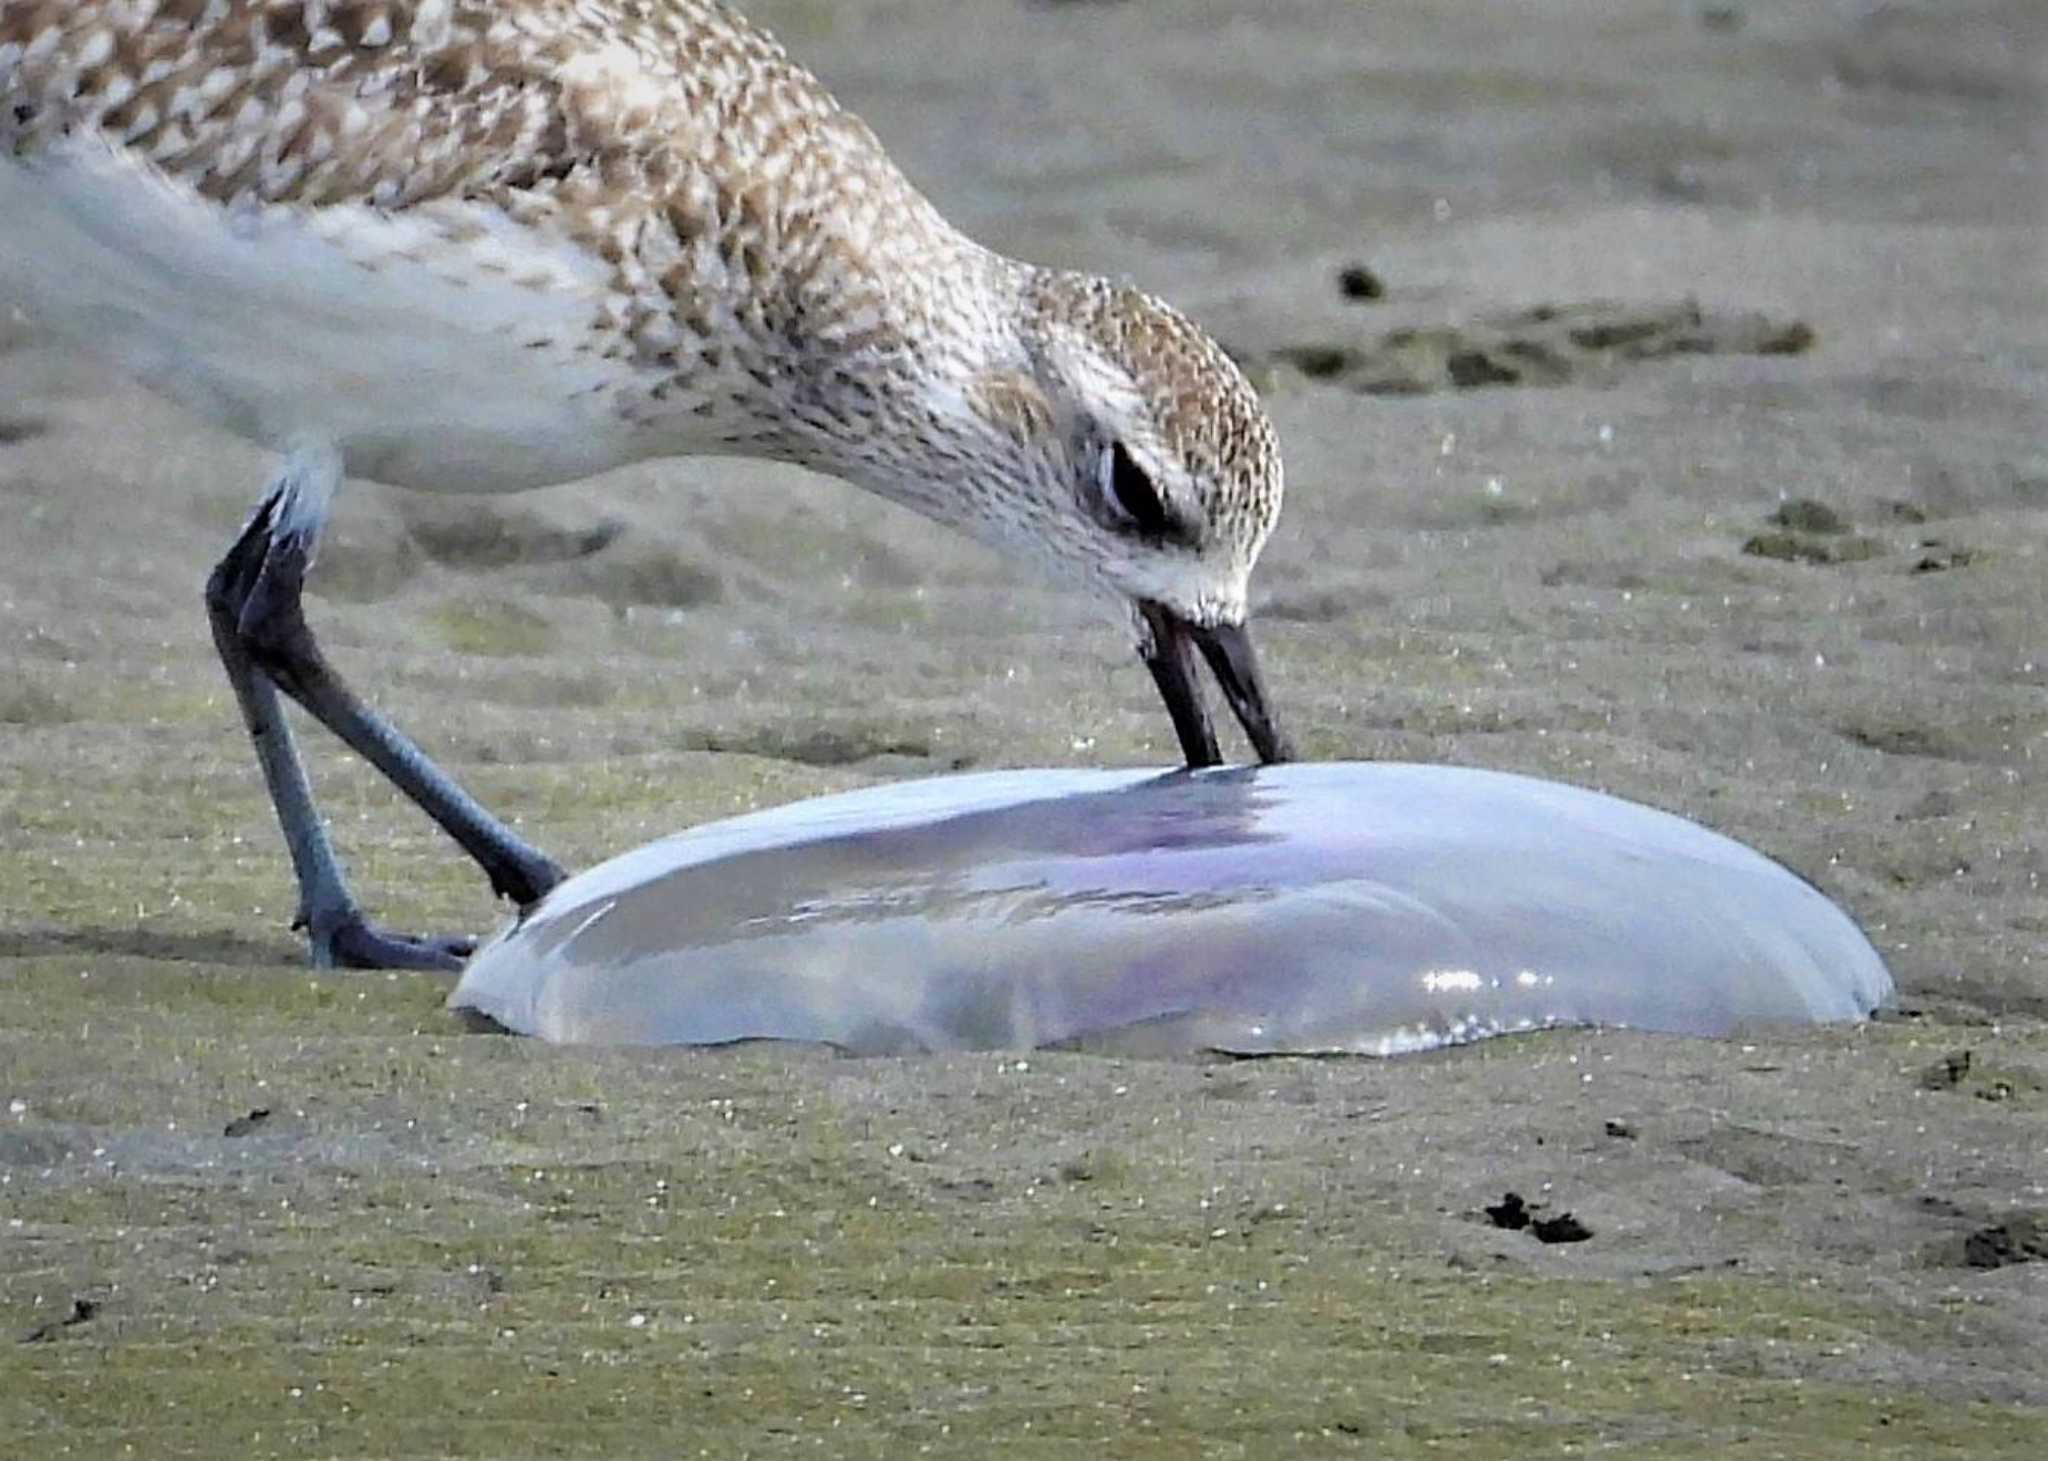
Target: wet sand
{"x":1691,"y":450}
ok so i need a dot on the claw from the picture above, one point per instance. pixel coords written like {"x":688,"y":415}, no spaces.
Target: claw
{"x":354,"y":943}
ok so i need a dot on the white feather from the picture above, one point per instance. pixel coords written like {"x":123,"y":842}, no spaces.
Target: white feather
{"x":433,"y":348}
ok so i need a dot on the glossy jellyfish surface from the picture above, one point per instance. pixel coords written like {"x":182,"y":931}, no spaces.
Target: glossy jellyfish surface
{"x":1366,"y":907}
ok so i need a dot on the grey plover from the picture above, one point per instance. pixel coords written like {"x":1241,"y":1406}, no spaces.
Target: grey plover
{"x":486,"y":245}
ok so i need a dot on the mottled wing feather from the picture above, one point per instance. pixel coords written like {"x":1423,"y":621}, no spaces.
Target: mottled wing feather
{"x":741,"y":215}
{"x":395,"y":102}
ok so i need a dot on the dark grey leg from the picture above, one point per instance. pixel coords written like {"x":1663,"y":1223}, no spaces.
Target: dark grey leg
{"x":253,"y":603}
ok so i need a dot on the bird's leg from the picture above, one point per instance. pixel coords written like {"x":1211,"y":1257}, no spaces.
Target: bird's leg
{"x":253,"y":603}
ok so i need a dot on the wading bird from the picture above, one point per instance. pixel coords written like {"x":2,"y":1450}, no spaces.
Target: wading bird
{"x":489,"y":245}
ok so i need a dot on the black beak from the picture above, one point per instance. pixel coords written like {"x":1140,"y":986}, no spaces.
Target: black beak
{"x":1228,"y":649}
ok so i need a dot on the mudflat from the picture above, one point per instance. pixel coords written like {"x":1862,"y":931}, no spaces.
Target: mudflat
{"x":1662,"y":387}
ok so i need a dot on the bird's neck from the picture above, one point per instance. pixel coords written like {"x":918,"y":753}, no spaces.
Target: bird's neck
{"x":902,"y":408}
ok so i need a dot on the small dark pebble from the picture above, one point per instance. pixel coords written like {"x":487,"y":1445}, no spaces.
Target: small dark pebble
{"x":1564,"y":1228}
{"x":1941,"y":562}
{"x":1621,"y":1131}
{"x":2022,"y":1239}
{"x":243,"y":1125}
{"x":1946,"y":1073}
{"x":1510,"y":1212}
{"x":15,"y":431}
{"x":1356,"y":281}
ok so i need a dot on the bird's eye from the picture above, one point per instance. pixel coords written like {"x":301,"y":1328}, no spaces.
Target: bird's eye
{"x":1131,"y":496}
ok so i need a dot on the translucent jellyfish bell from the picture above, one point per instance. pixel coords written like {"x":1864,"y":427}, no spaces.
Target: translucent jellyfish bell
{"x":1364,"y":907}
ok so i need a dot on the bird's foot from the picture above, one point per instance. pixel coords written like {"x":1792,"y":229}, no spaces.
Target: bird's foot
{"x":353,"y":942}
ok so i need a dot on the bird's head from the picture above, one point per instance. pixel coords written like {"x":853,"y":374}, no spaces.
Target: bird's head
{"x":1147,"y":464}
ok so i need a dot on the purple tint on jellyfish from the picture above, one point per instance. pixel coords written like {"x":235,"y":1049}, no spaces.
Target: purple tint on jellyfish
{"x":1371,"y":908}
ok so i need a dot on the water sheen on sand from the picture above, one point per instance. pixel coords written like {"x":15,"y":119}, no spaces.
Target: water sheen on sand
{"x":1374,"y":908}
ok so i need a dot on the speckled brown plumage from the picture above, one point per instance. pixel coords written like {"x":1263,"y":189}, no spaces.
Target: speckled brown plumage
{"x":760,"y":278}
